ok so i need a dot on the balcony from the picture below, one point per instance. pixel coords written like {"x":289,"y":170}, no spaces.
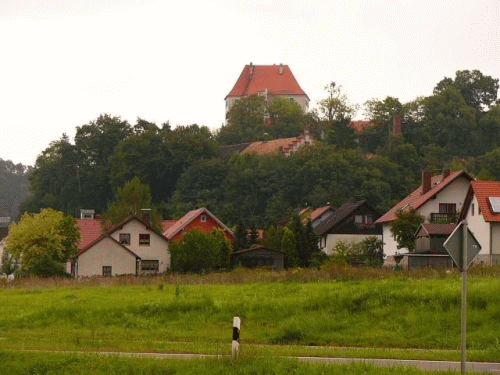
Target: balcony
{"x":443,"y":218}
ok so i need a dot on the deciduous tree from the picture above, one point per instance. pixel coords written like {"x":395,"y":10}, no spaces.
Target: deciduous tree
{"x":43,"y":242}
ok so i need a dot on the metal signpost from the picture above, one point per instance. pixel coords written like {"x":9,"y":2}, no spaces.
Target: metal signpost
{"x":463,"y":247}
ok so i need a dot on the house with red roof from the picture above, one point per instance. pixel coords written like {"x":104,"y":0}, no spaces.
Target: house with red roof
{"x":132,"y":247}
{"x":284,"y":146}
{"x":439,"y":199}
{"x":200,"y":218}
{"x":482,"y":213}
{"x":268,"y":81}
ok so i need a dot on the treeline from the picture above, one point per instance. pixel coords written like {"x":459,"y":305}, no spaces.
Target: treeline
{"x":13,"y":187}
{"x":458,"y":127}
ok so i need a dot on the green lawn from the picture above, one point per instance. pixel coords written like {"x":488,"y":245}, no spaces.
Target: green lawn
{"x":394,"y":316}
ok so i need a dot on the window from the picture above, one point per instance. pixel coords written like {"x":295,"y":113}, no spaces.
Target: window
{"x":125,"y":238}
{"x":447,"y":208}
{"x":150,"y":265}
{"x":358,"y":219}
{"x":203,"y":218}
{"x":368,"y":219}
{"x":144,"y":239}
{"x":106,"y":270}
{"x":472,"y":209}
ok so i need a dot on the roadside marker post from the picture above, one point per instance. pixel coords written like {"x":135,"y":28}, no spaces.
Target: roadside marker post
{"x":463,"y":247}
{"x":236,"y":337}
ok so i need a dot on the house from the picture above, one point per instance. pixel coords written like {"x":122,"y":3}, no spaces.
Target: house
{"x":269,"y":81}
{"x":202,"y":219}
{"x":481,"y":211}
{"x":438,"y":199}
{"x":132,"y":247}
{"x":284,"y":146}
{"x":429,"y":249}
{"x":259,"y":256}
{"x":351,"y":223}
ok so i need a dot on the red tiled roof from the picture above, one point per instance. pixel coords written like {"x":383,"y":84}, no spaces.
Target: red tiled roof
{"x":166,"y":224}
{"x":269,"y":147}
{"x":319,"y":211}
{"x":417,"y":199}
{"x":361,"y":125}
{"x":276,"y":79}
{"x":90,"y":230}
{"x":483,"y":190}
{"x":188,"y":218}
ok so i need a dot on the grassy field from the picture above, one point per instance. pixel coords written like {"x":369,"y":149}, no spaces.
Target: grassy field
{"x":329,"y":312}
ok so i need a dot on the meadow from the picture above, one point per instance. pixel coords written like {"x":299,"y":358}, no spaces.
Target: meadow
{"x":334,"y":311}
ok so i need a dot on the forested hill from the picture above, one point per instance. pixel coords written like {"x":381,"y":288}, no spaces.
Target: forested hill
{"x":13,"y":187}
{"x":458,"y":127}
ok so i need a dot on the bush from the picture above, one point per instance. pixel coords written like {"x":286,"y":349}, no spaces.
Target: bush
{"x":368,"y":252}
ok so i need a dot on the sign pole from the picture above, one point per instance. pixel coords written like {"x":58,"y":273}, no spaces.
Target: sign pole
{"x":236,"y":337}
{"x":465,"y":266}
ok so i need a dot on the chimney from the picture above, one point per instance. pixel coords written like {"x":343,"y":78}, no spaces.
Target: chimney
{"x":251,"y":69}
{"x":146,"y":215}
{"x":446,"y":173}
{"x":396,"y":124}
{"x":280,"y":70}
{"x":426,"y":181}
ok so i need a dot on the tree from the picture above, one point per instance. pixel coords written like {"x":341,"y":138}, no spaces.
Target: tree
{"x":95,"y":142}
{"x":286,"y":117}
{"x":43,"y":242}
{"x":129,"y":200}
{"x":13,"y":187}
{"x":55,"y":179}
{"x":405,"y":226}
{"x":200,"y":252}
{"x":334,"y":118}
{"x":245,"y":121}
{"x":450,"y":121}
{"x":478,"y":90}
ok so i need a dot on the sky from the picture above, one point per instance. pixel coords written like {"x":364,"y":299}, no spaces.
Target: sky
{"x":65,"y":62}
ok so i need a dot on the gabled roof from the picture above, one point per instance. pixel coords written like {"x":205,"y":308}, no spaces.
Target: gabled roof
{"x":184,"y":221}
{"x":437,"y":229}
{"x":339,"y":215}
{"x":360,"y":125}
{"x":320,"y":211}
{"x":276,"y":79}
{"x":483,"y":191}
{"x":417,"y":199}
{"x":101,"y":238}
{"x":91,"y":228}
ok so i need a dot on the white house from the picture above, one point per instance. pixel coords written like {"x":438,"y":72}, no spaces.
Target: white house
{"x":131,"y":247}
{"x":439,"y":200}
{"x":482,"y":213}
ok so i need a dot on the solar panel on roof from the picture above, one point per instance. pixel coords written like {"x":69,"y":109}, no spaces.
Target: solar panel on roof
{"x":495,"y":204}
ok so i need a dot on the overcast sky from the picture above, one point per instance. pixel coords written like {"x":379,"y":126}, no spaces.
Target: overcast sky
{"x":64,"y":62}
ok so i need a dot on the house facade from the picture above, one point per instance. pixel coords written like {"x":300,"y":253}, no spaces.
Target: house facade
{"x":439,"y":199}
{"x":353,"y":222}
{"x":268,"y":81}
{"x":482,"y":214}
{"x":132,"y":247}
{"x":200,"y":218}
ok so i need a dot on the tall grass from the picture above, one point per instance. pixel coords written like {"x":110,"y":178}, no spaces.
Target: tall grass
{"x":336,"y":306}
{"x":14,"y":363}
